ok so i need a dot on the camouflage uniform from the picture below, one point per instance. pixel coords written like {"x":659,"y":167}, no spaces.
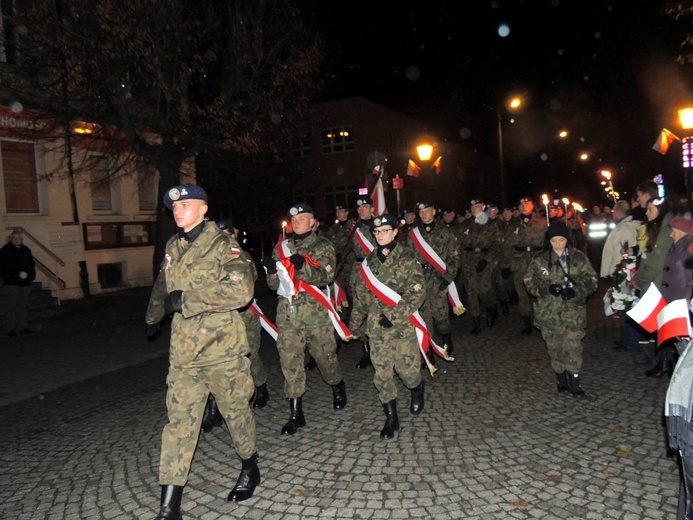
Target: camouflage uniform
{"x":209,"y":347}
{"x":502,"y":274}
{"x":436,"y":309}
{"x":562,"y":322}
{"x":395,"y":349}
{"x":526,"y":239}
{"x":341,"y":236}
{"x":360,"y":255}
{"x":253,"y":330}
{"x":478,"y":253}
{"x":305,"y":322}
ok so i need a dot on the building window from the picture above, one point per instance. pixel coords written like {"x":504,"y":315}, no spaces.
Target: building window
{"x":301,"y":145}
{"x":101,"y":188}
{"x":19,"y":172}
{"x":146,"y":187}
{"x":337,"y":139}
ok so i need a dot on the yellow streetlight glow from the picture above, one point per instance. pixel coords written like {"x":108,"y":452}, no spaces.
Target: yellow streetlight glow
{"x":686,"y":118}
{"x":515,"y":102}
{"x":563,"y":134}
{"x":425,"y":151}
{"x":584,"y":156}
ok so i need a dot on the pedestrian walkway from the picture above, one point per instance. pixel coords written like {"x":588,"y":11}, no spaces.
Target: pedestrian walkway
{"x":84,"y":404}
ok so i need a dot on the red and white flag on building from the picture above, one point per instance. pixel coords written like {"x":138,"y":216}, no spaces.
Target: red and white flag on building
{"x":436,"y":165}
{"x":673,"y":321}
{"x":413,"y":169}
{"x":379,"y":198}
{"x":647,"y":309}
{"x":664,"y":141}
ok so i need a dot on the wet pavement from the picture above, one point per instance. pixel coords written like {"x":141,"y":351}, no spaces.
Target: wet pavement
{"x":82,"y":406}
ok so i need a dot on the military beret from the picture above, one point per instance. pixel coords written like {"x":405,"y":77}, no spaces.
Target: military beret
{"x":476,"y":200}
{"x":297,"y":209}
{"x":363,"y":200}
{"x":384,"y":220}
{"x":448,"y":209}
{"x":524,"y":199}
{"x":184,"y":192}
{"x":492,"y":205}
{"x":407,"y":210}
{"x":424,"y":203}
{"x":225,"y":223}
{"x":339,"y":207}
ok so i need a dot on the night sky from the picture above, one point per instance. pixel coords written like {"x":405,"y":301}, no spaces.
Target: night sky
{"x":605,"y":71}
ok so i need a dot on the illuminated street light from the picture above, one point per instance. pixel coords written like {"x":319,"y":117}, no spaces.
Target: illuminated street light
{"x":425,"y":151}
{"x":563,"y":134}
{"x":686,"y":120}
{"x":584,"y":156}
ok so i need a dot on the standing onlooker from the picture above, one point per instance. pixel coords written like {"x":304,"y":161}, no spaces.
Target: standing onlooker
{"x":561,"y":279}
{"x":304,"y":261}
{"x":203,"y":280}
{"x":391,"y":269}
{"x":17,"y":271}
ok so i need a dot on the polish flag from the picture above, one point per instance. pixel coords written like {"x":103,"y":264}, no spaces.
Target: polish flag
{"x":647,"y":309}
{"x":664,"y":141}
{"x":379,"y":199}
{"x":413,"y":169}
{"x":436,"y":165}
{"x":673,"y":321}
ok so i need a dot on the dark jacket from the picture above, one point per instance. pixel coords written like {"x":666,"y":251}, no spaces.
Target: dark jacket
{"x":677,"y":276}
{"x":16,"y":265}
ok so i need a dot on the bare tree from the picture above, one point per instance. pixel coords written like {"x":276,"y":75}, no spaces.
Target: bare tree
{"x":163,"y":80}
{"x":683,"y":11}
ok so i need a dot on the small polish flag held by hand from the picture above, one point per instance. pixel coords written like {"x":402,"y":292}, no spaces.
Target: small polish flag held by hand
{"x":647,"y":309}
{"x":673,"y":321}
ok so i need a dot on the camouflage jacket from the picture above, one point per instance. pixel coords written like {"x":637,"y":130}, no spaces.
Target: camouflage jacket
{"x":366,"y":230}
{"x":525,"y":239}
{"x":215,"y":281}
{"x":403,"y":274}
{"x":552,"y":313}
{"x":478,"y":242}
{"x":505,"y":255}
{"x":444,"y":243}
{"x":340,"y":234}
{"x":303,"y":308}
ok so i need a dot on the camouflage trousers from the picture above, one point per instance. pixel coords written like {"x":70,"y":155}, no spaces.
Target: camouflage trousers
{"x":524,"y":303}
{"x":479,"y":287}
{"x":188,"y":388}
{"x":502,"y":286}
{"x":253,"y":330}
{"x":291,"y":343}
{"x":392,"y":357}
{"x":565,"y":349}
{"x":436,"y":310}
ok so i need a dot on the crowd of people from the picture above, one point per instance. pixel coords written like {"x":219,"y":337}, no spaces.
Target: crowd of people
{"x":403,"y":279}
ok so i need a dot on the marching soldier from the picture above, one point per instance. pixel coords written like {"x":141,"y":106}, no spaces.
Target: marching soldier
{"x":363,"y":244}
{"x":203,"y":281}
{"x":526,"y":239}
{"x":503,"y":279}
{"x":450,"y":220}
{"x":253,"y":329}
{"x":304,"y":261}
{"x":391,"y":271}
{"x":437,"y":251}
{"x":341,"y":236}
{"x":479,"y":239}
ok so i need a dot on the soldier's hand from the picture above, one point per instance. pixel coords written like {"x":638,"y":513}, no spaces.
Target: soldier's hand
{"x":481,"y":265}
{"x":384,"y":322}
{"x":269,"y":264}
{"x":173,"y":302}
{"x":153,"y":330}
{"x":505,"y":273}
{"x":568,"y":293}
{"x":297,"y":260}
{"x":555,"y":289}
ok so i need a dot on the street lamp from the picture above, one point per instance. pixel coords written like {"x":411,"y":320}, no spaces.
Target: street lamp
{"x":514,"y":104}
{"x":425,"y":151}
{"x":686,"y":120}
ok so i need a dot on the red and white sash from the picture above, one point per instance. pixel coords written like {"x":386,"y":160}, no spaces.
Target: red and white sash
{"x":363,"y":242}
{"x":284,"y":254}
{"x":339,"y":296}
{"x":432,"y":258}
{"x":391,"y":298}
{"x":269,"y":327}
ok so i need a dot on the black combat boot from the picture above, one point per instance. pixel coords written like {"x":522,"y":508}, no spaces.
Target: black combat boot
{"x":417,"y":399}
{"x":170,"y":503}
{"x":247,"y":480}
{"x":392,"y":421}
{"x":561,"y":381}
{"x":574,"y":383}
{"x":261,"y":396}
{"x":447,"y":341}
{"x":212,"y":416}
{"x":504,"y":307}
{"x":528,"y":326}
{"x":339,"y":397}
{"x":491,"y":315}
{"x":296,"y":418}
{"x":366,"y":358}
{"x":476,"y":325}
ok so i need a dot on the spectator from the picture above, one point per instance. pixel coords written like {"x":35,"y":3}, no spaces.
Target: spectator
{"x":17,"y":271}
{"x":620,"y":239}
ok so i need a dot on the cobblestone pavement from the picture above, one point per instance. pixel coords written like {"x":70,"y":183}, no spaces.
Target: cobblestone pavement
{"x":83,"y":406}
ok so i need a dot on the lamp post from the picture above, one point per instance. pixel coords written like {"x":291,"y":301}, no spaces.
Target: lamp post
{"x":513,"y":104}
{"x":686,"y":120}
